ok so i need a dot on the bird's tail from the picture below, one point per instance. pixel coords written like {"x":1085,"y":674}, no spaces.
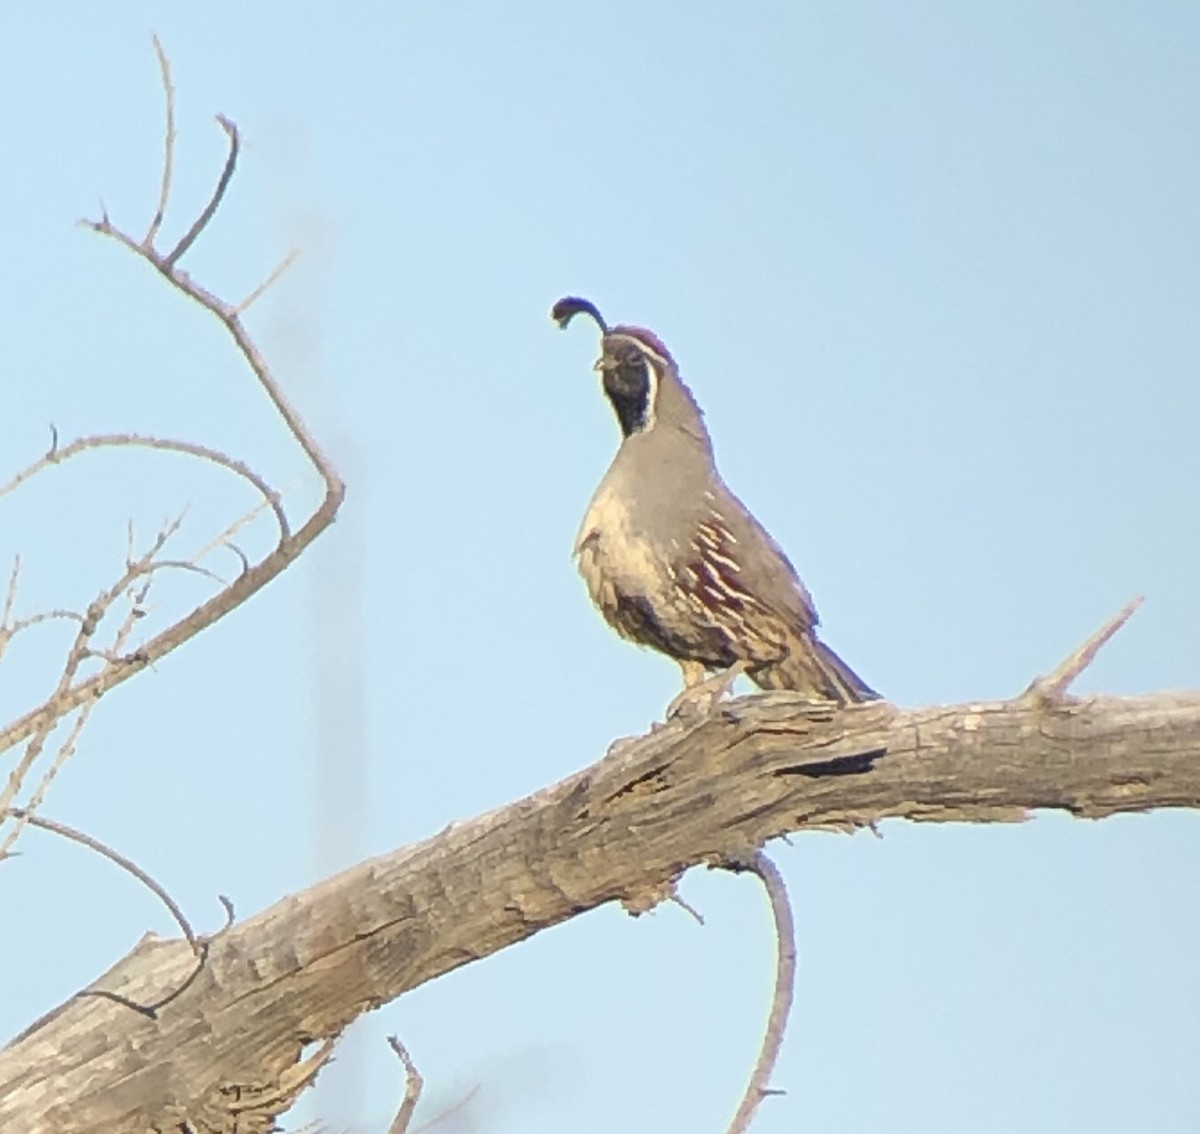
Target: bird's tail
{"x":812,"y":667}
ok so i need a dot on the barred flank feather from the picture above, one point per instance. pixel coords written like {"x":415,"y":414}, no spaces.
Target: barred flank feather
{"x":812,"y":667}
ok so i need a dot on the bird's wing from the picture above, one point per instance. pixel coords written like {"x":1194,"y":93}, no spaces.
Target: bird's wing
{"x":763,"y":568}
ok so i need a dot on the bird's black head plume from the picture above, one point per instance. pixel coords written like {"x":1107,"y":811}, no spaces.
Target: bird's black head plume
{"x":628,"y":380}
{"x":569,"y":306}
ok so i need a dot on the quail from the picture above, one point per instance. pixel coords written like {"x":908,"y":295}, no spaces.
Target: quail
{"x":672,"y":559}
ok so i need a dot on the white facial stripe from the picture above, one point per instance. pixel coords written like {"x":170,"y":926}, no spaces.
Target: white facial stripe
{"x":651,"y":395}
{"x":649,"y":352}
{"x":655,"y":362}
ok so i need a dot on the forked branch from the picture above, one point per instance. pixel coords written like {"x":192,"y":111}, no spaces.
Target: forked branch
{"x":79,"y":687}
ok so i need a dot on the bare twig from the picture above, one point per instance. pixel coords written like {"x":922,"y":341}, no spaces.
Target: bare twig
{"x":10,"y":631}
{"x":214,"y":202}
{"x":52,"y":710}
{"x":65,"y":751}
{"x":227,"y":906}
{"x":164,"y":193}
{"x":242,"y":556}
{"x":37,"y":619}
{"x":39,"y":735}
{"x":126,"y":864}
{"x":55,"y":456}
{"x":284,"y":264}
{"x":120,"y":639}
{"x":78,"y":688}
{"x":1054,"y":687}
{"x":228,"y":316}
{"x":686,"y":906}
{"x":221,"y":539}
{"x":299,"y":1076}
{"x":449,"y":1112}
{"x":781,"y":1003}
{"x":412,"y":1088}
{"x":10,"y":595}
{"x":7,"y":630}
{"x":151,"y":1011}
{"x":187,"y":565}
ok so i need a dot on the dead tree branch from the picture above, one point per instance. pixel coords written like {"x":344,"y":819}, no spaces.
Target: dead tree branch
{"x":628,"y":825}
{"x":1055,"y":686}
{"x":412,"y":1088}
{"x":57,"y":456}
{"x":759,"y":1086}
{"x":168,"y":169}
{"x":126,"y":864}
{"x":79,"y":687}
{"x":79,"y":653}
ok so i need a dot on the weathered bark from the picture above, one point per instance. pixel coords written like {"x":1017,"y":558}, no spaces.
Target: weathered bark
{"x":224,"y":1054}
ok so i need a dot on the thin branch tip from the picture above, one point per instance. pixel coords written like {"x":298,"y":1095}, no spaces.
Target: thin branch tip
{"x":281,"y":268}
{"x":413,"y":1083}
{"x":115,"y":857}
{"x":687,"y":907}
{"x":1053,"y":687}
{"x":785,"y":989}
{"x":164,"y":192}
{"x":214,"y":202}
{"x":227,"y":906}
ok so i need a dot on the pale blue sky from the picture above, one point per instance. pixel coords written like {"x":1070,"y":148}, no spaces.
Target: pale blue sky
{"x":932,"y":269}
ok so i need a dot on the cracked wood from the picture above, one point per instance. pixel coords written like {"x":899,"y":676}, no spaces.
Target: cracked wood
{"x":225,"y":1054}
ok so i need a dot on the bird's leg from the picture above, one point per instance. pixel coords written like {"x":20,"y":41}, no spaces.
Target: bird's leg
{"x":701,"y":695}
{"x":686,"y":700}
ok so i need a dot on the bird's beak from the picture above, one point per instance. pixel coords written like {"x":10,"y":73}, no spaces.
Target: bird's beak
{"x":603,"y":363}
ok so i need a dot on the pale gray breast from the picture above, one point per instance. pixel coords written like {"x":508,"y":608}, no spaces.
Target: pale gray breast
{"x":641,"y":518}
{"x":614,"y":554}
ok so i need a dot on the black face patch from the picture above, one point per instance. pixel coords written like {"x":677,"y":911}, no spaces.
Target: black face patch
{"x":627,"y":384}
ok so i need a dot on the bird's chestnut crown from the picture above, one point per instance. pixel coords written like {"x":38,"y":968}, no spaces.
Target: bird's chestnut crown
{"x":627,"y":364}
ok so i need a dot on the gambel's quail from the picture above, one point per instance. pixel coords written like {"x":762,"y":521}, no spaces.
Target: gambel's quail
{"x":673,"y":559}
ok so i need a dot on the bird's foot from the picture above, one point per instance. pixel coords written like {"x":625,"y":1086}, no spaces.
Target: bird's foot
{"x":701,"y":700}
